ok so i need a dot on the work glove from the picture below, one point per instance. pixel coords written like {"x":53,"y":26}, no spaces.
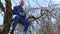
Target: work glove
{"x":22,"y":14}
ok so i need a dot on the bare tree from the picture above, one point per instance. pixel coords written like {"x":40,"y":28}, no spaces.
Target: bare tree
{"x":7,"y":16}
{"x":40,"y":24}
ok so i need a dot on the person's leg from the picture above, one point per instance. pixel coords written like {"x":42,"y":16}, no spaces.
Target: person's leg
{"x":26,"y":22}
{"x":15,"y":23}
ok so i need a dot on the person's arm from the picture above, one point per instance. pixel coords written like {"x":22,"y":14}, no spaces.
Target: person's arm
{"x":19,"y":11}
{"x":15,"y":10}
{"x":23,"y":13}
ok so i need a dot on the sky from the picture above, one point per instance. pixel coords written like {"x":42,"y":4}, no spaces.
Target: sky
{"x":33,"y":4}
{"x":1,"y":17}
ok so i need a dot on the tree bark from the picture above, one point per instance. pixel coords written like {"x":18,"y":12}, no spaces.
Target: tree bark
{"x":7,"y":17}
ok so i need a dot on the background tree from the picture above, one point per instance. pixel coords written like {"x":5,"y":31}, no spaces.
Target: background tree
{"x":44,"y":20}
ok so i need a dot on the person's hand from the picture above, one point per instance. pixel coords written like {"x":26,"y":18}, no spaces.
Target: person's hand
{"x":22,"y":14}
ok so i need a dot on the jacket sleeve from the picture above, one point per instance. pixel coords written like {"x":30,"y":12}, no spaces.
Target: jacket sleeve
{"x":18,"y":11}
{"x":23,"y":14}
{"x":15,"y":10}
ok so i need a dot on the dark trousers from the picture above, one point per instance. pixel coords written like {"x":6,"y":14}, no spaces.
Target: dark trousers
{"x":23,"y":20}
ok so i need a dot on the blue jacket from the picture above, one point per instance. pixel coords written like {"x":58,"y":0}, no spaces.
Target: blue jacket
{"x":17,"y":10}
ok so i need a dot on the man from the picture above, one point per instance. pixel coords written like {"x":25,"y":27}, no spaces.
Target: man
{"x":19,"y":16}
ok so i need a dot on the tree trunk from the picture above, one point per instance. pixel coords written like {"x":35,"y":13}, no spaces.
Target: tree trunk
{"x":7,"y":17}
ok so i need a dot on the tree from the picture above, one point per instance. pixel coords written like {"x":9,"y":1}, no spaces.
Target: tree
{"x":42,"y":24}
{"x":7,"y":16}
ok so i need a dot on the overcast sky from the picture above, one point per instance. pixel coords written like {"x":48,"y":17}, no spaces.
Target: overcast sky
{"x":41,"y":2}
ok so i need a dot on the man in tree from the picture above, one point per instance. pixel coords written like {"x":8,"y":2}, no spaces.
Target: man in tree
{"x":20,"y":16}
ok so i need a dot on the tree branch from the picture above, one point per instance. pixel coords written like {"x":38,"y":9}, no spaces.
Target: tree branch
{"x":1,"y":6}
